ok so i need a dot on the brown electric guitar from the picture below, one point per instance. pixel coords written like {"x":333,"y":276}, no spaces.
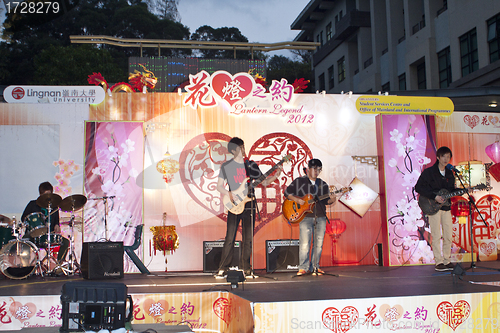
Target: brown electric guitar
{"x":295,"y":213}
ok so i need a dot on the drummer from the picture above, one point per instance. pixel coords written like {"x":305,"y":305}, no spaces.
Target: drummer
{"x":33,"y":207}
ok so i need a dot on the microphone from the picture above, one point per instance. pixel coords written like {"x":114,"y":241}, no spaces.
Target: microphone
{"x":452,"y":168}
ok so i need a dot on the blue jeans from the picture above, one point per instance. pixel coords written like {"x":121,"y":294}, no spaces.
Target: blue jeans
{"x":309,"y":230}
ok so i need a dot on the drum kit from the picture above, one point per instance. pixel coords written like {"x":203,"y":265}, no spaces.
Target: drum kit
{"x":28,"y":246}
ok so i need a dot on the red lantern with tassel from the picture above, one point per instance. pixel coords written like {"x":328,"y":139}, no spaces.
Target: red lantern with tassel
{"x":335,"y":229}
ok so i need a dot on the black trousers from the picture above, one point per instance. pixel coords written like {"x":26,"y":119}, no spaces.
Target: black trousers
{"x":233,"y":222}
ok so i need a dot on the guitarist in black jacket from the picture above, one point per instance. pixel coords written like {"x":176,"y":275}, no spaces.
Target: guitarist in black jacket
{"x":432,"y":180}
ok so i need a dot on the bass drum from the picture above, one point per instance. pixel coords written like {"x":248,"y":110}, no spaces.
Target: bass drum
{"x":18,"y":259}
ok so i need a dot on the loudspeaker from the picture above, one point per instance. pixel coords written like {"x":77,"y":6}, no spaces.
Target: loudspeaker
{"x":212,"y":253}
{"x":102,"y":260}
{"x":94,"y":306}
{"x":282,"y":255}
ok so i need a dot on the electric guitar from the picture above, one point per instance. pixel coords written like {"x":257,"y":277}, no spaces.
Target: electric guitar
{"x":431,"y":206}
{"x":295,"y":213}
{"x":241,"y":194}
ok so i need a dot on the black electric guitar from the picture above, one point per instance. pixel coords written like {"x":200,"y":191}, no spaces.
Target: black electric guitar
{"x":241,"y":194}
{"x":431,"y":206}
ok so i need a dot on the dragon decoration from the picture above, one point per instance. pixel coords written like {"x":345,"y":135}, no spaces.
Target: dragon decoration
{"x":138,"y":81}
{"x":299,"y":85}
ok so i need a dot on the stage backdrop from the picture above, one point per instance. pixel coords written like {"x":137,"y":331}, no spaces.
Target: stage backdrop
{"x":167,"y":155}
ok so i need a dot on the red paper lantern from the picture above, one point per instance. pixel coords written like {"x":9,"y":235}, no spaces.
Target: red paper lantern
{"x":495,"y":171}
{"x":459,"y":206}
{"x":336,"y":227}
{"x":493,"y":152}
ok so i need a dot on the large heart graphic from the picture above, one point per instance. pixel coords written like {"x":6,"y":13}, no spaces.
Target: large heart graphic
{"x":487,"y":248}
{"x":341,"y":321}
{"x":222,"y":309}
{"x":22,"y":312}
{"x":155,"y":308}
{"x":471,"y":121}
{"x":203,"y":155}
{"x":232,"y":88}
{"x":391,"y":313}
{"x":453,"y":315}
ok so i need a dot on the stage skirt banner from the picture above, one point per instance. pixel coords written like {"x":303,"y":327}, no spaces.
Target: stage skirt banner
{"x":477,"y":312}
{"x":209,"y":312}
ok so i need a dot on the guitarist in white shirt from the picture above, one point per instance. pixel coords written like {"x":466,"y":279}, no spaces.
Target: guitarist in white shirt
{"x":233,"y":173}
{"x":432,"y":180}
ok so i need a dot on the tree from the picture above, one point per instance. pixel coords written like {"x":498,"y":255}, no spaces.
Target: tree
{"x":224,"y":34}
{"x":28,"y":37}
{"x":73,"y":64}
{"x":164,"y":9}
{"x":279,"y":67}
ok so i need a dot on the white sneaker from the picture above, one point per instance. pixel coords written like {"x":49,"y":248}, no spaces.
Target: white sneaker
{"x":221,"y":274}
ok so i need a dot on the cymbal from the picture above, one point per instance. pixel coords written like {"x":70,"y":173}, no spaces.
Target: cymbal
{"x":49,"y":198}
{"x":4,"y":219}
{"x":73,"y":203}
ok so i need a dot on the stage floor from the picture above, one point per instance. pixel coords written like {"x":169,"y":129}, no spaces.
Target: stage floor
{"x":351,"y":282}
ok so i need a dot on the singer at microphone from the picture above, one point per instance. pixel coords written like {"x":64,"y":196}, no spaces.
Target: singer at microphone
{"x":452,"y":168}
{"x":433,"y":185}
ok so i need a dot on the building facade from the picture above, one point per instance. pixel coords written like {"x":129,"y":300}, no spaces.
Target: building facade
{"x":394,"y":45}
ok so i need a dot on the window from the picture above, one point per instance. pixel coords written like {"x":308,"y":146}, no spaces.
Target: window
{"x":341,"y":69}
{"x":386,"y":86}
{"x":328,"y":31}
{"x":321,"y":37}
{"x":494,"y":38}
{"x":321,"y":82}
{"x":330,"y":77}
{"x":421,"y":79}
{"x":402,"y":81}
{"x":468,"y":52}
{"x":444,"y":64}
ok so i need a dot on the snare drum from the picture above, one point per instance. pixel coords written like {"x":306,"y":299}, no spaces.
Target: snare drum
{"x":44,"y":241}
{"x":35,"y":225}
{"x":18,"y":259}
{"x":6,"y":234}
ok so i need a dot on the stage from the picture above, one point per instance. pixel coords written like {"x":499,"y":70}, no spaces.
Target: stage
{"x":358,"y":298}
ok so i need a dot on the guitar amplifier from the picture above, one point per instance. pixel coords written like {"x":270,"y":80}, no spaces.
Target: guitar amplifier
{"x":282,"y":255}
{"x":212,"y":253}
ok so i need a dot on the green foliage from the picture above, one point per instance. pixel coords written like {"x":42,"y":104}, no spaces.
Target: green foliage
{"x":279,"y":67}
{"x":224,"y":34}
{"x":33,"y":37}
{"x":78,"y":61}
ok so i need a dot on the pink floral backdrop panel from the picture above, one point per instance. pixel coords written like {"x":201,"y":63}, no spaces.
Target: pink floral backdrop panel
{"x":405,"y":142}
{"x":113,"y":160}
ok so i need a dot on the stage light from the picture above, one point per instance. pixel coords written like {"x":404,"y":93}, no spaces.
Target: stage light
{"x":493,"y":105}
{"x":235,"y":276}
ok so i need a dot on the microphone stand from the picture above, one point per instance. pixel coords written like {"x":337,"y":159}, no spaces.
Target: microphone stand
{"x":472,"y":204}
{"x":105,"y":201}
{"x":327,"y":220}
{"x":253,"y":205}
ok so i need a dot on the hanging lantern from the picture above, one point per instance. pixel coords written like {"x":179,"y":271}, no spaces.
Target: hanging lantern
{"x":167,"y":167}
{"x":495,"y":171}
{"x":493,"y":151}
{"x":165,"y":239}
{"x":335,"y":228}
{"x":472,"y":173}
{"x":459,"y":207}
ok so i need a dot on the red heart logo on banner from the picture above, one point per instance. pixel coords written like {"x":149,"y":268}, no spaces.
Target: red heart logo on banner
{"x":453,"y":315}
{"x":232,"y":88}
{"x":204,"y":154}
{"x":488,"y":248}
{"x":341,"y":321}
{"x":222,"y":309}
{"x":155,"y":308}
{"x":22,"y":312}
{"x":471,"y":121}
